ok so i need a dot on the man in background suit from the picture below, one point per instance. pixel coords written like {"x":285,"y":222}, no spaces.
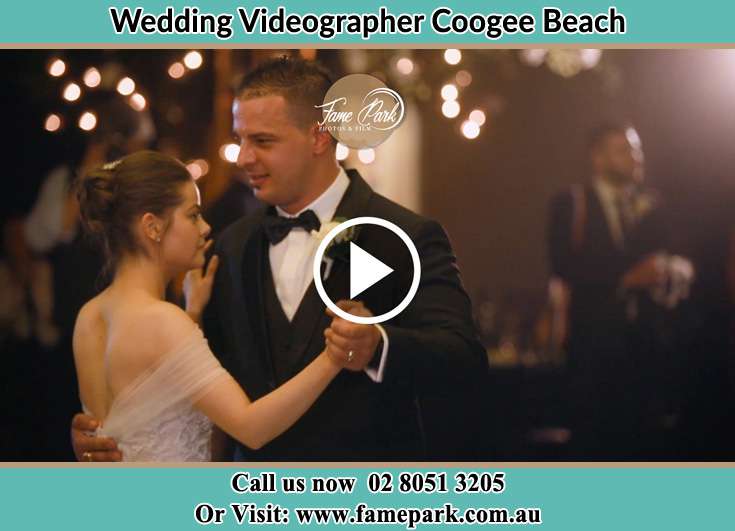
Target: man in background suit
{"x":605,"y":243}
{"x":266,"y":322}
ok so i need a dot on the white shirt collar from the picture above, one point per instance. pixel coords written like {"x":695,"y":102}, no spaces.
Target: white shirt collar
{"x":326,"y":204}
{"x":605,"y":190}
{"x":610,"y":192}
{"x":608,"y":196}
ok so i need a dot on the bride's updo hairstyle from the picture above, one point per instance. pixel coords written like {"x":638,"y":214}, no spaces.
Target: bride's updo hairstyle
{"x":112,"y":196}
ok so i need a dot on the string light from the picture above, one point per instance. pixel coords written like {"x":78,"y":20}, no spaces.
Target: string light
{"x":137,"y":101}
{"x":450,"y":108}
{"x":198,"y":168}
{"x":533,"y":56}
{"x":195,"y":170}
{"x":229,"y":152}
{"x":87,"y":121}
{"x":72,"y":92}
{"x":478,"y":117}
{"x":366,"y":156}
{"x":92,"y":77}
{"x":463,"y":78}
{"x":449,"y":92}
{"x":193,"y":60}
{"x":452,"y":56}
{"x":342,"y":151}
{"x":53,"y":123}
{"x":590,"y":57}
{"x":404,"y":66}
{"x":126,"y":86}
{"x":57,"y":68}
{"x":176,"y":70}
{"x":470,"y":129}
{"x":204,"y":165}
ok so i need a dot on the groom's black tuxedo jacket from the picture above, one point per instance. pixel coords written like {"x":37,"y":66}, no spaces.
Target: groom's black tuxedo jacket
{"x":433,"y":347}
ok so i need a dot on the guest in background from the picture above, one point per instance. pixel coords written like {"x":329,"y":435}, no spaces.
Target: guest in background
{"x":609,"y":249}
{"x":58,"y":271}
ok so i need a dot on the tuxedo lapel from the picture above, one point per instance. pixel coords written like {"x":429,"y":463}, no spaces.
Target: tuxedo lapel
{"x":355,"y":201}
{"x":599,"y":226}
{"x":254,"y":260}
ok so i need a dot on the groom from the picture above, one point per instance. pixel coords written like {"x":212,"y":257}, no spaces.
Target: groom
{"x":266,"y":322}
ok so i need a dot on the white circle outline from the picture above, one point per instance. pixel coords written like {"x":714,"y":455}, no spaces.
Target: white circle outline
{"x":395,"y":229}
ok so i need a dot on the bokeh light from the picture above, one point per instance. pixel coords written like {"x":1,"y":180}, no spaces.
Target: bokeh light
{"x":404,"y":65}
{"x":229,"y":152}
{"x":176,"y":70}
{"x":92,"y":77}
{"x":126,"y":86}
{"x":72,"y":92}
{"x":470,"y":129}
{"x":193,"y":60}
{"x":53,"y":123}
{"x":57,"y":68}
{"x":478,"y":117}
{"x":449,"y":92}
{"x":452,"y":56}
{"x":450,"y":108}
{"x":463,"y":78}
{"x":366,"y":156}
{"x":137,"y":102}
{"x":342,"y":151}
{"x":88,"y":121}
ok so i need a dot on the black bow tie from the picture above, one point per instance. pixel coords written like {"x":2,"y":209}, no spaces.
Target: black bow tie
{"x":277,"y":227}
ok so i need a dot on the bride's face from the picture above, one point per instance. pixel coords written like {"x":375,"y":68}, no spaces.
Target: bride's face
{"x":183,"y":241}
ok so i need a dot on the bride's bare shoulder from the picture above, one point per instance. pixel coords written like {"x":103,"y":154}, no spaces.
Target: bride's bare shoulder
{"x":89,"y":329}
{"x":145,"y":330}
{"x":164,"y":325}
{"x":147,"y":326}
{"x":90,"y":338}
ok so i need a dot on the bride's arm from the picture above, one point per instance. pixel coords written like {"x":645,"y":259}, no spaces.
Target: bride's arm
{"x":256,"y":423}
{"x":223,"y":400}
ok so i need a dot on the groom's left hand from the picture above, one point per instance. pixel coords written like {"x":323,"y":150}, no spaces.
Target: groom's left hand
{"x":344,"y":336}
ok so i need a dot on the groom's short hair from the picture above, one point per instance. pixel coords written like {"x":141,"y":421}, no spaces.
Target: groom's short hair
{"x":303,"y":84}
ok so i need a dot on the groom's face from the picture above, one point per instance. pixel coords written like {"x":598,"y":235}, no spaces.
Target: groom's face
{"x":275,"y":152}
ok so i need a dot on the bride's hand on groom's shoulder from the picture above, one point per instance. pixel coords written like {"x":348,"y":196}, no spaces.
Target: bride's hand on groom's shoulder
{"x":88,"y":447}
{"x":198,"y":288}
{"x":351,"y":345}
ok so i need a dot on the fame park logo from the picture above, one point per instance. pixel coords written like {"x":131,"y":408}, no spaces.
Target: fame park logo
{"x":360,"y":111}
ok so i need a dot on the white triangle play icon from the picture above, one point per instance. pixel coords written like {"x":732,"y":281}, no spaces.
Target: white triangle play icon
{"x":365,"y":270}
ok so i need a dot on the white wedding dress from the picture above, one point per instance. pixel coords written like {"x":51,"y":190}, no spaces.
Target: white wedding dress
{"x":153,"y":418}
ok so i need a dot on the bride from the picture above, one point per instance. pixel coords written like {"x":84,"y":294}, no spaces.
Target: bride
{"x":143,"y":364}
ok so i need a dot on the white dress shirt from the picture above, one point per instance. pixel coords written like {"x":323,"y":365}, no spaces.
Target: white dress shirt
{"x":44,"y":226}
{"x":608,"y":196}
{"x":291,"y":259}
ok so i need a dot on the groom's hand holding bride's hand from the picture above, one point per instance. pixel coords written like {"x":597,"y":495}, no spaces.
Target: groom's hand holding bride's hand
{"x":344,"y":337}
{"x":88,"y":447}
{"x":198,"y":286}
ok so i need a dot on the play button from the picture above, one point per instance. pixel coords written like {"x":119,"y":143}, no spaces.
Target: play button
{"x":365,"y":270}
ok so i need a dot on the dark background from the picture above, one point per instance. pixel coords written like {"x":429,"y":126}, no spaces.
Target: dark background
{"x":491,"y":194}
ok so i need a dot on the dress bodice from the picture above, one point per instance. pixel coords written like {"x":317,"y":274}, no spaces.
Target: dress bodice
{"x":154,"y":419}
